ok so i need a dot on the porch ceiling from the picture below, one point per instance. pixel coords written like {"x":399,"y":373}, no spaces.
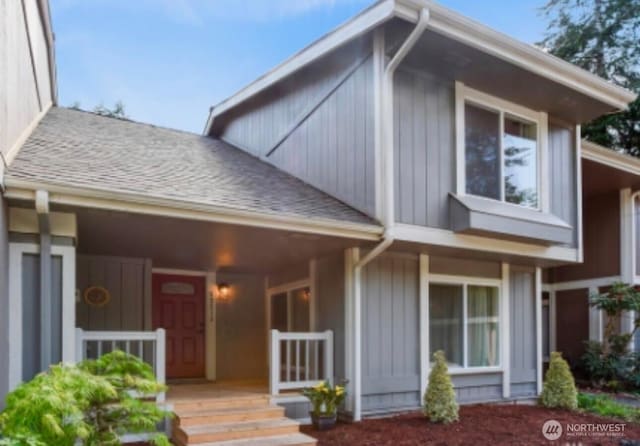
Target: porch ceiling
{"x":197,"y":245}
{"x":600,"y":179}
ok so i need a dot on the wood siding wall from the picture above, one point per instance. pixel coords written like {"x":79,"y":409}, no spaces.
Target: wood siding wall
{"x":25,"y":86}
{"x":572,"y":323}
{"x":478,"y":387}
{"x":601,"y":226}
{"x":128,"y":280}
{"x":424,"y":149}
{"x":523,"y":332}
{"x":241,"y":350}
{"x":390,"y":334}
{"x":322,"y":118}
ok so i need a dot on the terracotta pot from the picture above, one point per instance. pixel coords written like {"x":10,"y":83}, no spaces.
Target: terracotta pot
{"x":323,"y":422}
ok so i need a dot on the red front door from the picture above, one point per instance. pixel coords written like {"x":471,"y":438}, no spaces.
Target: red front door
{"x":178,"y":307}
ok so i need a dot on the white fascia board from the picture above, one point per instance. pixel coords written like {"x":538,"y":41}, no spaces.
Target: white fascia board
{"x":357,"y":26}
{"x":608,"y":157}
{"x":476,"y":35}
{"x":153,"y":205}
{"x":446,"y":238}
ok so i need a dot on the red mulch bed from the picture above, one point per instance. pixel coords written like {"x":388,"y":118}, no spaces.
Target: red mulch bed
{"x":481,"y":424}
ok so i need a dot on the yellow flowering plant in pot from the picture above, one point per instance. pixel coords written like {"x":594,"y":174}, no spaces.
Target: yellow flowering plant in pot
{"x":325,"y":400}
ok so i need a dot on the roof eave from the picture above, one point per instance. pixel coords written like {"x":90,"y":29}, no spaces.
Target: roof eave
{"x":602,"y":155}
{"x":68,"y":195}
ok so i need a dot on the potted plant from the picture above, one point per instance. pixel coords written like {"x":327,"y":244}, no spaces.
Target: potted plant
{"x":325,"y":400}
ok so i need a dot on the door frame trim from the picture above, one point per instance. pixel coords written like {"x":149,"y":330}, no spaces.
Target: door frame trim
{"x":210,"y":364}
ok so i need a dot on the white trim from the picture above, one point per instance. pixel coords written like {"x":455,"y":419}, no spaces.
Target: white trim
{"x":360,"y":24}
{"x":14,"y":307}
{"x":553,"y":315}
{"x":378,"y":75}
{"x":313,"y":297}
{"x":581,"y":284}
{"x":538,"y":310}
{"x":452,"y":279}
{"x":627,"y":261}
{"x":595,"y":318}
{"x":162,"y":206}
{"x":599,"y":154}
{"x":444,"y":237}
{"x":424,"y":323}
{"x":505,"y":336}
{"x":466,"y":95}
{"x":13,"y":151}
{"x":476,"y":370}
{"x":580,"y":216}
{"x":211,"y":342}
{"x":288,"y":288}
{"x":352,"y":336}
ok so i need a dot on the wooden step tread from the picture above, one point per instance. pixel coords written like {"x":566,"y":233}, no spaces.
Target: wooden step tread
{"x":223,"y":411}
{"x":239,"y":426}
{"x":276,"y":440}
{"x":221,"y":403}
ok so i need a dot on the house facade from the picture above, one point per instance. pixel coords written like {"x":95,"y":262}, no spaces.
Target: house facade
{"x":398,"y":187}
{"x":27,"y":92}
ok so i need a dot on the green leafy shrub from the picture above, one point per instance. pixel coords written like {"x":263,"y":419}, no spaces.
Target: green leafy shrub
{"x":607,"y":407}
{"x":440,"y":404}
{"x":559,"y":386}
{"x":94,"y":401}
{"x":610,"y":363}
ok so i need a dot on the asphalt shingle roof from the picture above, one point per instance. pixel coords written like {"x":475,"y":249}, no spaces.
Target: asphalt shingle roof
{"x":85,"y":150}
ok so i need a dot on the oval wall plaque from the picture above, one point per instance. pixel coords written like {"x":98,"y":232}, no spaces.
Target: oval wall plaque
{"x":97,"y":296}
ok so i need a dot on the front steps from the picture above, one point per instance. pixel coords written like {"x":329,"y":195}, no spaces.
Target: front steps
{"x":235,"y":421}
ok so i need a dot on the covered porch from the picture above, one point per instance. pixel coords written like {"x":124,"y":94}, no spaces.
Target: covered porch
{"x":207,"y":302}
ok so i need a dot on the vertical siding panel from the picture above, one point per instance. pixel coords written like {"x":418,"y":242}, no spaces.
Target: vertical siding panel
{"x":406,"y":161}
{"x":420,"y":157}
{"x":434,"y":168}
{"x":446,"y":142}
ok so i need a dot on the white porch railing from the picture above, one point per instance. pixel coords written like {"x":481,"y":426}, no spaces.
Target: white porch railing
{"x":299,"y":359}
{"x":146,"y":345}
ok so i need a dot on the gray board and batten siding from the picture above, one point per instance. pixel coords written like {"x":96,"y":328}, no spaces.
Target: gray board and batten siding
{"x":425,"y":161}
{"x":391,"y":333}
{"x":317,"y":125}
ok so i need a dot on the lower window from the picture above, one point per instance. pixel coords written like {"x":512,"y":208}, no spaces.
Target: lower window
{"x":464,"y":322}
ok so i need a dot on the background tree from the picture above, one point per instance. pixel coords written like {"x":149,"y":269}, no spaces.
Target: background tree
{"x":117,"y":111}
{"x":601,"y":36}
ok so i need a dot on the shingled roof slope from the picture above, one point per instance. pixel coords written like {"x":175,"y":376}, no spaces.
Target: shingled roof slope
{"x":85,"y":150}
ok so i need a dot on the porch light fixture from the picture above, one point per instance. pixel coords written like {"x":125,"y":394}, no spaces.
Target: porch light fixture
{"x":223,"y":290}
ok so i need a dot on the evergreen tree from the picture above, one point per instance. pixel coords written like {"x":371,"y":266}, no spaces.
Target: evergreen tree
{"x":559,"y":389}
{"x":601,"y":36}
{"x":440,"y":404}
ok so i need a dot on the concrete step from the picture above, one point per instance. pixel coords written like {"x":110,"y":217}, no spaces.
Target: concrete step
{"x":220,"y":403}
{"x":276,"y":440}
{"x":189,"y":435}
{"x":227,"y":415}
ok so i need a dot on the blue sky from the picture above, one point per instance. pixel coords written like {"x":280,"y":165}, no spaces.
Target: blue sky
{"x":169,"y":60}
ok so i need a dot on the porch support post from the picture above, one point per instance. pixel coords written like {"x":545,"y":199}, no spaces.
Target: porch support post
{"x":352,"y":332}
{"x":424,"y":323}
{"x":42,"y":209}
{"x":506,"y":329}
{"x":538,"y":304}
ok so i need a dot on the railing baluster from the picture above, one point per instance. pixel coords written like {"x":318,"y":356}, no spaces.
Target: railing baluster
{"x":140,"y":350}
{"x":306,"y":360}
{"x":297,"y":359}
{"x":127,"y":347}
{"x":316,"y":352}
{"x":288,"y":364}
{"x":99,"y":349}
{"x":113,"y":345}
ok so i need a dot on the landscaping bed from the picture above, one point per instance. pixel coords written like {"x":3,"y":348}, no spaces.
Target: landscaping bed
{"x":479,"y":424}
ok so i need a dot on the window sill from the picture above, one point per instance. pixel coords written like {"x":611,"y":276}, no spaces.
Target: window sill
{"x":480,"y":216}
{"x":474,"y":370}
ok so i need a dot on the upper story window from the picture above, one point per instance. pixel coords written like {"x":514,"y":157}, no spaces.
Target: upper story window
{"x":500,"y":149}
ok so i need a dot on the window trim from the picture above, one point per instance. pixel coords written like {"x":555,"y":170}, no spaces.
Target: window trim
{"x":465,"y":281}
{"x":464,"y":94}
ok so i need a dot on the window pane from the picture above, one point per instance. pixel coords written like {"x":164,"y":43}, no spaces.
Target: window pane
{"x":445,"y":321}
{"x":520,"y":162}
{"x":482,"y":152}
{"x":482,"y":330}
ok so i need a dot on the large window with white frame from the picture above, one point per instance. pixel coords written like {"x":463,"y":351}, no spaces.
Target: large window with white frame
{"x":464,"y":322}
{"x":500,"y":148}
